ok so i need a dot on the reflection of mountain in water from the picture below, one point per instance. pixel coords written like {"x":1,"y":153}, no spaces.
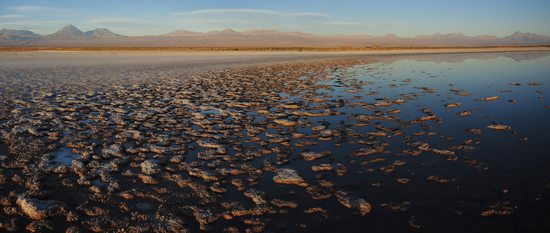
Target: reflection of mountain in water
{"x":527,"y":56}
{"x":461,"y":57}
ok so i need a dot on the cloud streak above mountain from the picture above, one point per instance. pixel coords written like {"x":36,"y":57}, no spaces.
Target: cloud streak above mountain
{"x":247,"y":18}
{"x":241,"y":11}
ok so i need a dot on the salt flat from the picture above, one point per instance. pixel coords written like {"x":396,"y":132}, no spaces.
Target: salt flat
{"x":391,"y":141}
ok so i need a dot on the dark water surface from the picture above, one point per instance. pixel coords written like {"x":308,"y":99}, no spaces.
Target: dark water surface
{"x":505,"y":171}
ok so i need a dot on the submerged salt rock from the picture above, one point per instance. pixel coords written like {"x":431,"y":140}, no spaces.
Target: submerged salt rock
{"x":40,"y":209}
{"x":208,"y":144}
{"x":285,"y":122}
{"x":258,"y":197}
{"x":322,"y":167}
{"x":443,"y":152}
{"x":399,"y":101}
{"x":490,"y":98}
{"x":437,"y":179}
{"x":290,"y":106}
{"x":204,"y":217}
{"x":377,"y":134}
{"x":217,"y":188}
{"x":284,"y":204}
{"x":367,"y":151}
{"x":288,"y":176}
{"x":310,"y":155}
{"x":465,"y":113}
{"x":499,"y":209}
{"x":114,"y":150}
{"x":203,"y":174}
{"x":147,"y":179}
{"x":499,"y":127}
{"x":473,"y":131}
{"x":78,"y":167}
{"x":403,"y":180}
{"x":452,"y":105}
{"x":319,"y":128}
{"x":394,"y":111}
{"x":40,"y":226}
{"x":383,"y":104}
{"x":424,"y":146}
{"x":397,"y":206}
{"x":353,"y":203}
{"x":149,"y":167}
{"x":427,"y":118}
{"x":323,"y":190}
{"x":198,"y":116}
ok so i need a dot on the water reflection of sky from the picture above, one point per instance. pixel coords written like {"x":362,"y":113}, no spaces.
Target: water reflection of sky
{"x":517,"y":160}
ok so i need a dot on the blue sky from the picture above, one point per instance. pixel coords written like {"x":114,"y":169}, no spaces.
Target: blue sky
{"x":400,"y":17}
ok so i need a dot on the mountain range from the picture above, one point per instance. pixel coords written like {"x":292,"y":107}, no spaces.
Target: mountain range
{"x":71,"y":36}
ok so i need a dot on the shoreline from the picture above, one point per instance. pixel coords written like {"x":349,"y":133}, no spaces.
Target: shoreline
{"x":214,"y":50}
{"x":202,"y":59}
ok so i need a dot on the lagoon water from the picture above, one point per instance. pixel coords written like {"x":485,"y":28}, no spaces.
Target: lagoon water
{"x":515,"y":171}
{"x":505,"y":171}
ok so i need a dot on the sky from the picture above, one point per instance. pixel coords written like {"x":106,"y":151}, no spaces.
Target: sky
{"x":321,"y":17}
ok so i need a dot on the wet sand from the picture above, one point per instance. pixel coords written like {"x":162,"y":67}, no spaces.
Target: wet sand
{"x":273,"y":142}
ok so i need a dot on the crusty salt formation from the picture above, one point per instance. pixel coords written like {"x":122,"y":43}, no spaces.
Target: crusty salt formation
{"x":250,"y":149}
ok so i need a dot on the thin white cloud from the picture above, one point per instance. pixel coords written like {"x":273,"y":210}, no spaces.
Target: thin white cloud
{"x":362,"y":24}
{"x":37,"y":26}
{"x":116,"y":20}
{"x":240,"y":11}
{"x":340,"y":23}
{"x":131,"y":26}
{"x":34,"y":9}
{"x":248,"y":18}
{"x":11,"y":16}
{"x":34,"y":22}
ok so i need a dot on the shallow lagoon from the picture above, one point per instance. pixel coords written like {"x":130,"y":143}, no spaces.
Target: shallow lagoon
{"x":510,"y":167}
{"x":496,"y":181}
{"x":499,"y":183}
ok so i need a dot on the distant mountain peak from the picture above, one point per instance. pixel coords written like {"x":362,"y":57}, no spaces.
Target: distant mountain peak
{"x":68,"y":31}
{"x":518,"y":33}
{"x":70,"y":27}
{"x":273,"y":32}
{"x":525,"y":36}
{"x":70,"y":35}
{"x":391,"y":36}
{"x":15,"y":32}
{"x":183,"y":32}
{"x":227,"y":31}
{"x":101,"y":32}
